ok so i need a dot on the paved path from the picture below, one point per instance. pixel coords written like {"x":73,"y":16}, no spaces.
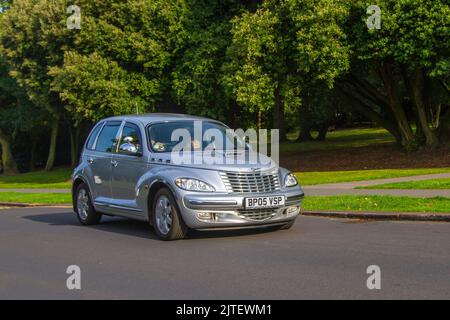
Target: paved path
{"x":318,"y":258}
{"x":348,"y":188}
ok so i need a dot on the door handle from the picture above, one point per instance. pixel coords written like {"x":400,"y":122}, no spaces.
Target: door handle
{"x":114,"y":163}
{"x":90,"y":161}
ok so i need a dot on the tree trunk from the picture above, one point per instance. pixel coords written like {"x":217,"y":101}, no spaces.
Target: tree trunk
{"x":278,"y":115}
{"x":362,"y":107}
{"x":34,"y":145}
{"x":305,"y":134}
{"x":52,"y":148}
{"x":416,"y":90}
{"x":444,"y":128}
{"x":9,"y":164}
{"x":74,"y":145}
{"x":404,"y":128}
{"x":323,"y":131}
{"x":305,"y":123}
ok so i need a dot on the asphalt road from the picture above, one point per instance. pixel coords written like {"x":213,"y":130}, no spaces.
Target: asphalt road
{"x":317,"y":258}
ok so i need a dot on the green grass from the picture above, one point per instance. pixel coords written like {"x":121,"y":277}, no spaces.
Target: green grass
{"x":424,"y":184}
{"x":56,"y":179}
{"x":36,"y":198}
{"x":352,"y":138}
{"x":314,"y":178}
{"x":377,"y":203}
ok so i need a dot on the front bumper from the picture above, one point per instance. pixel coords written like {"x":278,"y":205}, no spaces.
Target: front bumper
{"x":227,"y":210}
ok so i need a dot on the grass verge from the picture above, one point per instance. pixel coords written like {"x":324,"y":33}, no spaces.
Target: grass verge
{"x":424,"y":184}
{"x":377,"y":204}
{"x":35,"y":198}
{"x":55,"y":179}
{"x":314,"y":178}
{"x":349,"y":138}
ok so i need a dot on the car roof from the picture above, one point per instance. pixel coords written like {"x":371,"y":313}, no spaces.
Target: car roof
{"x":157,"y":117}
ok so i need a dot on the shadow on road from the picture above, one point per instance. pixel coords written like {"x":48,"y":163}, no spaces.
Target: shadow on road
{"x":135,"y":228}
{"x":108,"y":224}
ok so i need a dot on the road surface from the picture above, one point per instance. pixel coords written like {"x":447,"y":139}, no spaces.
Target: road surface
{"x":317,"y":258}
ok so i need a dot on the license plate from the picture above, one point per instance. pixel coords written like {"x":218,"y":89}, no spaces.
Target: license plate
{"x":264,"y":202}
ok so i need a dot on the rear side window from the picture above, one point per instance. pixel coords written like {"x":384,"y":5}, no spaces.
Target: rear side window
{"x":92,"y":136}
{"x":107,"y":140}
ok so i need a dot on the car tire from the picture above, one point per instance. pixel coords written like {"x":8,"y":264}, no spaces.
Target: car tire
{"x":166,"y":217}
{"x":287,"y":225}
{"x":84,"y":208}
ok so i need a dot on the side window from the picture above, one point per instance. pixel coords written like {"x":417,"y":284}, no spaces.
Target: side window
{"x":107,"y":141}
{"x":92,"y":136}
{"x":131,"y":134}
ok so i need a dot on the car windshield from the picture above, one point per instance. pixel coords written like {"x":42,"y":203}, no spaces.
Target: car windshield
{"x":164,"y":137}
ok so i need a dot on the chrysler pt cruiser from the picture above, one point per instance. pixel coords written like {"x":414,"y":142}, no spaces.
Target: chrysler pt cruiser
{"x":127,"y":169}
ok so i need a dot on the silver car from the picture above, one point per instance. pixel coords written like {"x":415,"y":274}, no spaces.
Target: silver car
{"x":127,"y":169}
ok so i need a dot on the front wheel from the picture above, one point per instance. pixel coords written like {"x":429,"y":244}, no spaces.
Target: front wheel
{"x":166,"y":217}
{"x":84,"y":209}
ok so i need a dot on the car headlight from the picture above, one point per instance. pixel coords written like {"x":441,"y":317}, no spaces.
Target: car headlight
{"x":194,"y":185}
{"x":290,"y":180}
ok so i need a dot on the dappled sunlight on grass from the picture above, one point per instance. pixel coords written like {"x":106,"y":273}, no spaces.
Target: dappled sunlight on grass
{"x":35,"y":198}
{"x":351,"y":138}
{"x":56,"y":179}
{"x":314,"y":178}
{"x":377,"y":203}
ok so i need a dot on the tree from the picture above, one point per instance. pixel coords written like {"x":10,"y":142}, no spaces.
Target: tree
{"x":398,"y":71}
{"x":120,"y":58}
{"x":43,"y":25}
{"x":17,"y":116}
{"x":282,"y":48}
{"x":8,"y":92}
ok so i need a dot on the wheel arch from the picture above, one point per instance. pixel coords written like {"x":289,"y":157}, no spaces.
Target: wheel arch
{"x":153,"y":189}
{"x":76,"y":182}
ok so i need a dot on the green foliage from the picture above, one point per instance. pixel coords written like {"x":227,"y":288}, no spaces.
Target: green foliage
{"x":225,"y":59}
{"x":17,"y":114}
{"x":285,"y":45}
{"x":413,"y":32}
{"x":42,"y":25}
{"x":94,"y":87}
{"x":5,"y":5}
{"x":118,"y":63}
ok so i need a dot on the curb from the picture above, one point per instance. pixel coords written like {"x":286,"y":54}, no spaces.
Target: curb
{"x":434,"y":217}
{"x":32,"y":205}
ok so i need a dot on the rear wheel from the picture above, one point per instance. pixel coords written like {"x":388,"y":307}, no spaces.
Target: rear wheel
{"x":84,"y":209}
{"x":166,"y":217}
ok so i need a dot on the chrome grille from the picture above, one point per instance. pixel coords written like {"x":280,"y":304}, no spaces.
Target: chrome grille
{"x":257,"y":214}
{"x":248,"y":182}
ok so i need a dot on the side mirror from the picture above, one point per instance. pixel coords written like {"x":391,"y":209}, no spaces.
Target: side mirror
{"x":129,"y":148}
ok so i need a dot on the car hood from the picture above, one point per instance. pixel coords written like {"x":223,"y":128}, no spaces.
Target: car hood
{"x":225,"y":159}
